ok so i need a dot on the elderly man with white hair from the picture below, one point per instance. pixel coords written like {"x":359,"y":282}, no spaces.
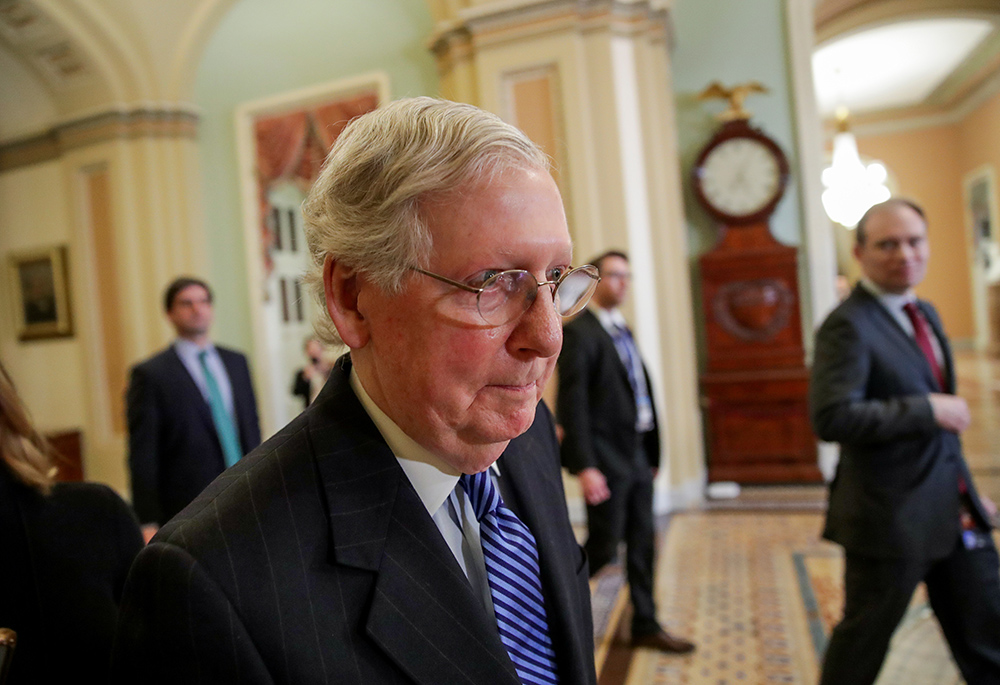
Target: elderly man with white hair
{"x":410,"y":526}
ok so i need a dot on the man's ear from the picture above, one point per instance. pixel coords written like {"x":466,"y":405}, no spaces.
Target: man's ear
{"x":340,"y":284}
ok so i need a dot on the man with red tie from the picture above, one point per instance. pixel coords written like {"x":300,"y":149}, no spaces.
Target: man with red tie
{"x":902,"y":504}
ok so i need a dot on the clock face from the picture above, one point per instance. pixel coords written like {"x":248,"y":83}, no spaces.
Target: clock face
{"x":740,"y":176}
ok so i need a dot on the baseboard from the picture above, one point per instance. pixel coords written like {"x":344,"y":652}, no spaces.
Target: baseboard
{"x":577,"y":511}
{"x":665,"y":499}
{"x":681,"y":496}
{"x":829,"y":455}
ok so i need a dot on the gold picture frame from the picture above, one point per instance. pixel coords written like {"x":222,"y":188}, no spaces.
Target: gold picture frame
{"x":40,"y":286}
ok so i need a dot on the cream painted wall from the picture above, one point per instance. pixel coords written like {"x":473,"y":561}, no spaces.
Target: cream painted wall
{"x":979,"y":138}
{"x":49,"y":374}
{"x":35,"y":110}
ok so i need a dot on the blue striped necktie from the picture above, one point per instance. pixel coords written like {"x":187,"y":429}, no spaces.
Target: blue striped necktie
{"x":224,"y":426}
{"x":515,"y":585}
{"x":629,"y":354}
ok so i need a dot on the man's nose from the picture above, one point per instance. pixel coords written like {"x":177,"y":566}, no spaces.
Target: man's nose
{"x":540,"y":327}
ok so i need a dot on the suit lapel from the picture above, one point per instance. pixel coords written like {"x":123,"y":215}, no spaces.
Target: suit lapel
{"x":949,"y":361}
{"x":893,"y":331}
{"x":424,"y":614}
{"x":197,"y":400}
{"x":611,"y":349}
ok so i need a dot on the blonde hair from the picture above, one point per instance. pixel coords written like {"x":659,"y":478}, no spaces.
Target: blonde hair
{"x":364,"y":209}
{"x":26,"y":453}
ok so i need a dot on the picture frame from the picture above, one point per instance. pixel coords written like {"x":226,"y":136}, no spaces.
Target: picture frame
{"x":40,"y":286}
{"x":981,"y":217}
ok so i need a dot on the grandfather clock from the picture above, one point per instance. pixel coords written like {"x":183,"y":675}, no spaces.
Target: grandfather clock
{"x":755,"y":384}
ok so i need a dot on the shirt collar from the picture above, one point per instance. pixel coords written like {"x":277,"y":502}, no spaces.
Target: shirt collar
{"x":431,"y":476}
{"x":894,"y":301}
{"x":609,"y":318}
{"x":185,"y":346}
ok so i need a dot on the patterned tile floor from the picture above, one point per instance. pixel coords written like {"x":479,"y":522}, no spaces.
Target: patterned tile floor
{"x":758,"y":593}
{"x":755,"y":587}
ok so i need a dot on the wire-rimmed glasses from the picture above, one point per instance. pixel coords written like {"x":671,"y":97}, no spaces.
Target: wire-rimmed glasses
{"x":506,"y":295}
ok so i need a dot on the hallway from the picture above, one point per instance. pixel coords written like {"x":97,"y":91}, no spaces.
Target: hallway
{"x":752,"y":583}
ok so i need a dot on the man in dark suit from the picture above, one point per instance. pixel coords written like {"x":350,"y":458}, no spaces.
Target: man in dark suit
{"x":410,"y":526}
{"x":191,"y":410}
{"x":902,"y":504}
{"x":611,"y":443}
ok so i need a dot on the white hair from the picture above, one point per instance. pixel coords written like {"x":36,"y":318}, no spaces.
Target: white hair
{"x":364,"y":209}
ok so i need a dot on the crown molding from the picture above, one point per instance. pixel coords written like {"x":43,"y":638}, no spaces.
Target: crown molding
{"x":144,"y":122}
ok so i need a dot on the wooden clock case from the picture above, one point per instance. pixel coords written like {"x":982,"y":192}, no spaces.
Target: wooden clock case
{"x":755,"y":385}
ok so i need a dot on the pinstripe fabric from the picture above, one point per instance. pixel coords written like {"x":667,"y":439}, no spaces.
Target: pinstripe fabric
{"x":313,"y":560}
{"x":515,"y":586}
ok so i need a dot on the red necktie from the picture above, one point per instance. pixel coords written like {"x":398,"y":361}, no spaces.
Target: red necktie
{"x":922,"y":334}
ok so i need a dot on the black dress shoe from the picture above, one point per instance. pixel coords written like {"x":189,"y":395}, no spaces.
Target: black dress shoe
{"x":663,"y":641}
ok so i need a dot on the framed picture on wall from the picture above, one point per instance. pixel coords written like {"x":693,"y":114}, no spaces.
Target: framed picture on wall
{"x":981,"y":215}
{"x":40,"y":285}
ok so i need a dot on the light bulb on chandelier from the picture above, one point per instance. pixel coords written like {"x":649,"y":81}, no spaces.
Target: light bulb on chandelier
{"x":851,"y":187}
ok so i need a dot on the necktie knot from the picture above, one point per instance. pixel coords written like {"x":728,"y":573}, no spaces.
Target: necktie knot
{"x":482,"y":493}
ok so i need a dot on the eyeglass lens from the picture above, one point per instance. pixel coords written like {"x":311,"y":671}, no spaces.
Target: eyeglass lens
{"x":510,"y":293}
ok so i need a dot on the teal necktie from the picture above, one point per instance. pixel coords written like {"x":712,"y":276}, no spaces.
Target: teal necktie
{"x":224,"y":425}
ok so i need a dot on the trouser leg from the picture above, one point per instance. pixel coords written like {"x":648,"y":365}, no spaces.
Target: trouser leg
{"x":876,"y":595}
{"x":964,"y":592}
{"x":639,"y":542}
{"x":605,"y":527}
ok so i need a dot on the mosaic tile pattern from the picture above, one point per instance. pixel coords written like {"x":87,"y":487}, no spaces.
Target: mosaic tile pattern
{"x":751,"y":582}
{"x":759,"y":594}
{"x":728,"y":581}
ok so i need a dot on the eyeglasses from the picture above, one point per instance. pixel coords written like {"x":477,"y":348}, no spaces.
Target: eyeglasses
{"x":506,"y":295}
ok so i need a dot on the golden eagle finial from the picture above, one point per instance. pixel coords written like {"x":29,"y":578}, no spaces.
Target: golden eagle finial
{"x":736,"y":95}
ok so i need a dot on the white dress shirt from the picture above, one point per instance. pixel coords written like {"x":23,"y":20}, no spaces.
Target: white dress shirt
{"x":188,"y":352}
{"x":894,"y":304}
{"x":436,"y":483}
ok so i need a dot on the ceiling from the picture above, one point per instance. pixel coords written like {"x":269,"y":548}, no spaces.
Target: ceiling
{"x":908,"y":68}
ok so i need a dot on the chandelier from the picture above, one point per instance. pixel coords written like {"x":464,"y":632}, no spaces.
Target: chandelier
{"x":850,"y":186}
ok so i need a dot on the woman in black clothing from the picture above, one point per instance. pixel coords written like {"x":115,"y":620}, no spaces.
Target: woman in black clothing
{"x":66,"y":549}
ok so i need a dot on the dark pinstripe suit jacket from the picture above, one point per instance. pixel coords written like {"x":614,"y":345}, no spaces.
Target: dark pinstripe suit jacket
{"x":314,"y":561}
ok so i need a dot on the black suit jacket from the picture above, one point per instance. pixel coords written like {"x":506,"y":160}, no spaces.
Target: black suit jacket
{"x":314,"y":560}
{"x":63,"y":562}
{"x":896,"y":492}
{"x":596,"y":403}
{"x":174,"y":450}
